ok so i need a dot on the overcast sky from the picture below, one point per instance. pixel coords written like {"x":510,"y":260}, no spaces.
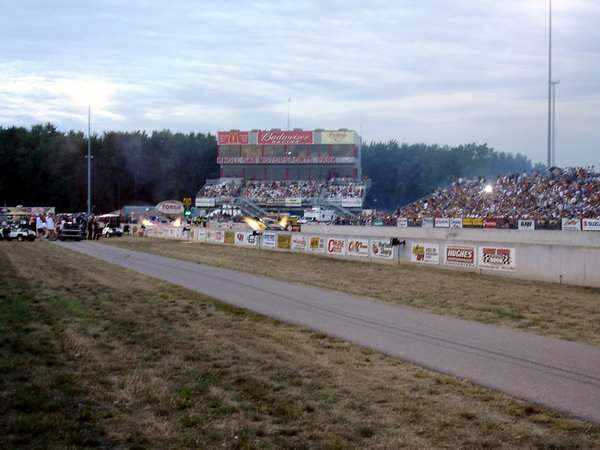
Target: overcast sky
{"x":434,"y":71}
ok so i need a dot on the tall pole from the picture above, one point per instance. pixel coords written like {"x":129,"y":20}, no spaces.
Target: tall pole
{"x":550,"y":87}
{"x":554,"y":84}
{"x":89,"y":160}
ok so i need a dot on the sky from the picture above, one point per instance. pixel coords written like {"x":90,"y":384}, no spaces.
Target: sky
{"x":428,"y":71}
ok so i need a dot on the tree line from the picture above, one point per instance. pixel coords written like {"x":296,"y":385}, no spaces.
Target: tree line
{"x":42,"y":166}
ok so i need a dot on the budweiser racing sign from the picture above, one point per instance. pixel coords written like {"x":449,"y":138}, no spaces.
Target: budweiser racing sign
{"x":285,"y":137}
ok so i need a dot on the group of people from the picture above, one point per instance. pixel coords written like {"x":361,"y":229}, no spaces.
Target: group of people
{"x":344,"y":189}
{"x":48,"y":226}
{"x":274,"y":191}
{"x":225,"y":189}
{"x":560,"y":193}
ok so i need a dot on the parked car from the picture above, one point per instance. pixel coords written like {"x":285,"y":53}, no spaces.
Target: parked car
{"x":20,"y":234}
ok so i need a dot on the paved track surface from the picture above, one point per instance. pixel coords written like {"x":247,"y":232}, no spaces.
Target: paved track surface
{"x":558,"y":374}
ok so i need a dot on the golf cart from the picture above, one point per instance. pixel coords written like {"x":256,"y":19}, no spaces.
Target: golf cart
{"x":70,"y":231}
{"x":20,"y":233}
{"x":112,"y":225}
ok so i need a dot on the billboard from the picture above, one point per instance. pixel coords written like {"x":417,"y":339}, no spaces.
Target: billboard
{"x":571,"y":225}
{"x":232,"y":137}
{"x":316,"y":244}
{"x":296,"y":137}
{"x":215,"y":236}
{"x":358,"y":247}
{"x":497,"y":258}
{"x":298,"y":242}
{"x":336,"y":246}
{"x":381,"y":249}
{"x":245,"y":238}
{"x":269,"y":239}
{"x":284,"y":241}
{"x":338,"y":137}
{"x":591,"y":224}
{"x":456,"y":222}
{"x":442,"y":222}
{"x":526,"y":225}
{"x":461,"y":256}
{"x":170,"y":207}
{"x":229,"y":237}
{"x":425,"y":253}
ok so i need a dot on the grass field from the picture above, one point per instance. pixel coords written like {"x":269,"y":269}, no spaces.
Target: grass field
{"x":94,"y":356}
{"x":566,"y":312}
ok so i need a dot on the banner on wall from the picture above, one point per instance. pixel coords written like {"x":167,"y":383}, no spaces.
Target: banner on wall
{"x":201,"y":234}
{"x":316,"y":244}
{"x":456,"y":222}
{"x":498,"y":258}
{"x":358,"y":247}
{"x":442,"y":222}
{"x":298,"y":242}
{"x":571,"y":224}
{"x":381,"y":249}
{"x":402,"y":222}
{"x":229,"y":237}
{"x":336,"y":247}
{"x":425,"y":253}
{"x":293,"y":201}
{"x":215,"y":236}
{"x":269,"y":239}
{"x":526,"y":225}
{"x":338,"y":137}
{"x":461,"y":256}
{"x":591,"y":224}
{"x":284,"y":241}
{"x":490,"y":223}
{"x":355,"y":202}
{"x":232,"y":137}
{"x":245,"y":238}
{"x":427,"y":222}
{"x":275,"y":137}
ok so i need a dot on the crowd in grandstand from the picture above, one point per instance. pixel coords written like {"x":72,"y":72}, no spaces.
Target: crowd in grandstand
{"x":344,"y":188}
{"x":571,"y":192}
{"x":224,"y":189}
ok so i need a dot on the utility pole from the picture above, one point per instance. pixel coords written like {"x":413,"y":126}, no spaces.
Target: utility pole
{"x":550,"y":88}
{"x":554,"y":84}
{"x":89,"y":161}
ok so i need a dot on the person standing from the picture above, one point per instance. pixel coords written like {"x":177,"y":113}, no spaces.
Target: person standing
{"x":91,"y":223}
{"x":50,"y":226}
{"x":40,"y":226}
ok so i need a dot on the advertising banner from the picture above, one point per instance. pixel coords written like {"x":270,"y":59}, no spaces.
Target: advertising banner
{"x":456,"y":223}
{"x":571,"y":225}
{"x":352,"y":202}
{"x":269,"y":239}
{"x":215,"y":236}
{"x":338,"y":137}
{"x":425,"y":253}
{"x":442,"y":222}
{"x":358,"y":247}
{"x":232,"y":137}
{"x":316,"y":244}
{"x":381,"y":249}
{"x":285,"y":137}
{"x":245,"y":238}
{"x":336,"y":246}
{"x":477,"y":223}
{"x":285,"y":159}
{"x":293,"y":201}
{"x":284,"y":241}
{"x":591,"y":224}
{"x":229,"y":237}
{"x":527,"y":225}
{"x":498,"y":258}
{"x":461,"y":255}
{"x":204,"y":202}
{"x":298,"y":242}
{"x":427,"y":222}
{"x":402,"y":222}
{"x":201,"y":234}
{"x":490,"y":223}
{"x":170,"y":207}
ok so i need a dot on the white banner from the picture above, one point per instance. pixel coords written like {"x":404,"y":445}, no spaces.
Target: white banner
{"x":527,"y":225}
{"x":381,"y":249}
{"x":201,"y":234}
{"x":358,"y":247}
{"x":299,"y":242}
{"x":442,"y":222}
{"x":245,"y":238}
{"x":427,"y":222}
{"x":316,"y":244}
{"x":402,"y":222}
{"x":293,"y":201}
{"x":336,"y":246}
{"x":591,"y":224}
{"x":498,"y":258}
{"x":269,"y":239}
{"x":456,"y":222}
{"x":571,"y":225}
{"x":425,"y":253}
{"x":461,"y":256}
{"x":338,"y":137}
{"x":352,"y":202}
{"x":205,"y":202}
{"x":215,"y":236}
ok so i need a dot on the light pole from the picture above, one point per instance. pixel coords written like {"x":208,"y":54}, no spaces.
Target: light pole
{"x":554,"y":84}
{"x":550,"y":88}
{"x":89,"y":162}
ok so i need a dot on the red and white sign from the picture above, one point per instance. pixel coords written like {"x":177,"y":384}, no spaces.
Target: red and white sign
{"x":232,"y":137}
{"x":245,"y":238}
{"x":215,"y":236}
{"x":571,"y":225}
{"x":358,"y":247}
{"x":461,"y":255}
{"x":497,"y":258}
{"x":300,"y":159}
{"x":490,"y":223}
{"x":442,"y":222}
{"x":591,"y":224}
{"x":285,"y":137}
{"x":336,"y":246}
{"x":298,"y":242}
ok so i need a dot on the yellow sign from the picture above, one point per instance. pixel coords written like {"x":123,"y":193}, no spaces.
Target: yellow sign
{"x":284,"y":241}
{"x":338,"y":137}
{"x":230,"y":237}
{"x":187,"y":201}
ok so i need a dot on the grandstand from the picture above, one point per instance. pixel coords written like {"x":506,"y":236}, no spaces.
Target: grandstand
{"x":279,"y":170}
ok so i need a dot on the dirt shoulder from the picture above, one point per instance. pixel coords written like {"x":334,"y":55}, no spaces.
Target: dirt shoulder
{"x":566,"y":312}
{"x":96,"y":356}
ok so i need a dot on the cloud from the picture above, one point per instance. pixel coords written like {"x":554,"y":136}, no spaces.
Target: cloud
{"x":426,"y":71}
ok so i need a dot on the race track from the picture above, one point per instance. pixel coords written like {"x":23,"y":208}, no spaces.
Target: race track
{"x":557,"y":374}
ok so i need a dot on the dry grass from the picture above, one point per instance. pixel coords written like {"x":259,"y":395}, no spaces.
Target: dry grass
{"x":96,"y":356}
{"x":547,"y":309}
